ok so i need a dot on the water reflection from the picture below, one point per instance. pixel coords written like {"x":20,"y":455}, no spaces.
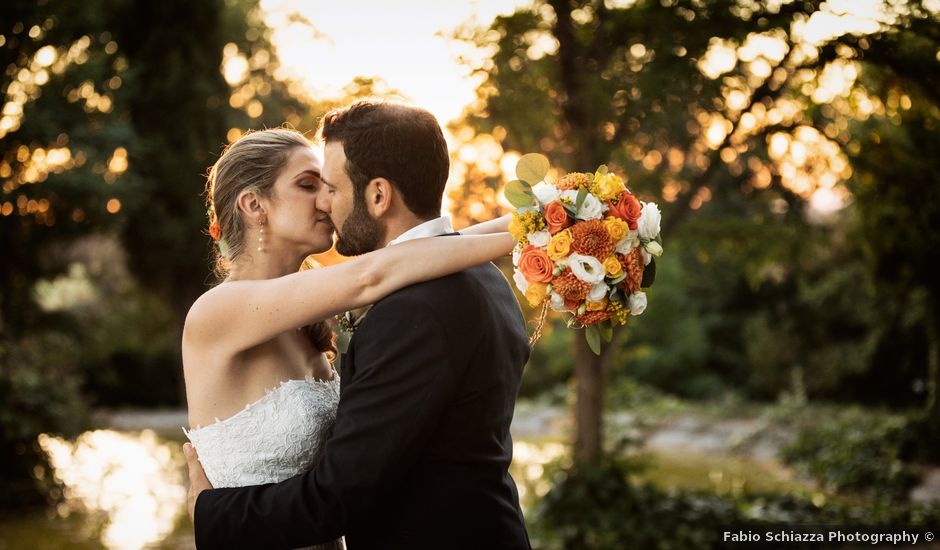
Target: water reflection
{"x":528,"y":468}
{"x":129,"y":488}
{"x":133,"y":479}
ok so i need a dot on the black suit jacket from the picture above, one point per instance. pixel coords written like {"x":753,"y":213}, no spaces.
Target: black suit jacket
{"x":420,"y":451}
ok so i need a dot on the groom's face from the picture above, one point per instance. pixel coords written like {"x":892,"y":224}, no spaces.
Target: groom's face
{"x":358,"y":232}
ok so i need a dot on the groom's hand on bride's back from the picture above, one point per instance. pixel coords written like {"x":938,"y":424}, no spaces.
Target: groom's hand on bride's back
{"x":198,"y":482}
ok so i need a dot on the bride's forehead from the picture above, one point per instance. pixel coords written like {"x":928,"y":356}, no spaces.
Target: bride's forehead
{"x":306,"y":156}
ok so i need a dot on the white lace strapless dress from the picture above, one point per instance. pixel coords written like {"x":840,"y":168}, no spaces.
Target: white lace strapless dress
{"x":273,"y":439}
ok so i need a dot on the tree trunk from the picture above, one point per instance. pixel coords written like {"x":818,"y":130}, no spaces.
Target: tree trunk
{"x":591,"y":374}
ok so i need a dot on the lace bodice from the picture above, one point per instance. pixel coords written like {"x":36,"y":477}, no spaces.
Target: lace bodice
{"x":275,"y":438}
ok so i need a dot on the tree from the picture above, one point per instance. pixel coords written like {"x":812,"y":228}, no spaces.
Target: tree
{"x":112,"y":112}
{"x":697,"y":102}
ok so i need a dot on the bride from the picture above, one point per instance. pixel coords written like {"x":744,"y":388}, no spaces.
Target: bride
{"x":257,"y":351}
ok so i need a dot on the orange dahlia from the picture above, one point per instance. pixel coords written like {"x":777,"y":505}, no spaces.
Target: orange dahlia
{"x":593,"y":317}
{"x":591,"y":238}
{"x":570,"y":287}
{"x":633,"y":266}
{"x":574,"y":180}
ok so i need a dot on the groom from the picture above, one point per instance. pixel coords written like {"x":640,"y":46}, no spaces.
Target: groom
{"x":420,"y":452}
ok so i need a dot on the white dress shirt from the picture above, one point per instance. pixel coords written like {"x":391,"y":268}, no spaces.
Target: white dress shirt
{"x":430,"y":228}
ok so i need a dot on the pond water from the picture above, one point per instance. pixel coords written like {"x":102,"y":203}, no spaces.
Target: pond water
{"x":126,"y":490}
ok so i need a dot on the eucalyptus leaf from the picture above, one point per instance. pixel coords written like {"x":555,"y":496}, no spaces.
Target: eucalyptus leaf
{"x":602,"y":170}
{"x":593,"y":337}
{"x":519,"y":194}
{"x":582,"y":194}
{"x":607,"y":331}
{"x":532,"y":168}
{"x":618,"y":278}
{"x":649,"y":274}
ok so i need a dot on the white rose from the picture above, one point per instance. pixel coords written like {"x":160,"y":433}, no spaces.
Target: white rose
{"x":546,"y":193}
{"x":637,"y":303}
{"x":521,"y":283}
{"x":586,"y":268}
{"x":629,"y":241}
{"x":557,"y":302}
{"x":648,"y":224}
{"x":598,"y":292}
{"x":591,"y":209}
{"x":539,"y":238}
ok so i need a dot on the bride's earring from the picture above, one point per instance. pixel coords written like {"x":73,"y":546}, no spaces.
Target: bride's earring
{"x":261,"y":236}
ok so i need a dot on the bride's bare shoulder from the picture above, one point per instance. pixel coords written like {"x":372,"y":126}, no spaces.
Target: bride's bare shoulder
{"x":204,"y":316}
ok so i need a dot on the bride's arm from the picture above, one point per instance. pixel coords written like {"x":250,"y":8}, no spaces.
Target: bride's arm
{"x":499,"y":225}
{"x":241,"y":314}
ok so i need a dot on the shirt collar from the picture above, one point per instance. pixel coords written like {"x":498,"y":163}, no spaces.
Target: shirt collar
{"x":430,"y":228}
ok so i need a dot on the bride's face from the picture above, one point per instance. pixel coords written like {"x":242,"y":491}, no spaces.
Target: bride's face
{"x":294,"y":223}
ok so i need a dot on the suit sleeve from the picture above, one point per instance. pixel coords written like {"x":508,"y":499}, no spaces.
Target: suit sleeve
{"x":388,"y":411}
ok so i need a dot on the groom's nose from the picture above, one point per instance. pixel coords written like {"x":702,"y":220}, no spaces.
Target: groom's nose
{"x":323,"y":202}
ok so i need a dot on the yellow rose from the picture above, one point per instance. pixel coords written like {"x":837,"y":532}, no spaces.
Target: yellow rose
{"x":607,"y":186}
{"x":613,"y":267}
{"x":596,"y":306}
{"x":560,"y":245}
{"x":517,"y":228}
{"x":536,"y":294}
{"x":616,"y":227}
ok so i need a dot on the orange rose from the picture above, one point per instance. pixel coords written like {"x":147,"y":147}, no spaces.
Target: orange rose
{"x":626,"y":207}
{"x":215,"y":231}
{"x":535,"y":265}
{"x":556,"y":217}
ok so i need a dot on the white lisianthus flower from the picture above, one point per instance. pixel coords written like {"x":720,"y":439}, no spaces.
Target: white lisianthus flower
{"x":648,"y":224}
{"x":637,"y":303}
{"x":521,"y":283}
{"x":647,"y":257}
{"x":546,"y":193}
{"x":629,"y":241}
{"x":591,"y":208}
{"x":569,"y":194}
{"x":539,"y":238}
{"x":654,"y":248}
{"x":587,"y":268}
{"x":557,"y":302}
{"x":598,"y":292}
{"x":516,"y":253}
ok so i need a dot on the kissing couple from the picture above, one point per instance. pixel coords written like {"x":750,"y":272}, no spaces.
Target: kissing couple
{"x":408,"y":446}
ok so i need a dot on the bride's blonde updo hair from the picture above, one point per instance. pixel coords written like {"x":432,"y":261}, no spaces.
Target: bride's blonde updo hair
{"x":253,"y":162}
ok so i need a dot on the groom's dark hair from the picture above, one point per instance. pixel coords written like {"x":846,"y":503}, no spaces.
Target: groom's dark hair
{"x":401,"y":143}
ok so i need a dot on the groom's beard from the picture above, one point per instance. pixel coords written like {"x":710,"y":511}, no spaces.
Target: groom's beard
{"x":361,"y":232}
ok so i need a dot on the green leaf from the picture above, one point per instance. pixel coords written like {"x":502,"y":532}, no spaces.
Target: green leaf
{"x":593,"y":337}
{"x":649,"y":274}
{"x":532,"y":168}
{"x":570,"y":210}
{"x":602,"y":170}
{"x":582,"y":194}
{"x":519,"y":194}
{"x":617,"y":279}
{"x":607,"y":331}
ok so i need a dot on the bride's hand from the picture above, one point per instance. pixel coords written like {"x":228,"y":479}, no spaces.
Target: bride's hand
{"x":198,"y":482}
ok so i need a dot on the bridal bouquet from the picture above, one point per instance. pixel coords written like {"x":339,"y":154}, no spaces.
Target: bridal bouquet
{"x":585,"y":246}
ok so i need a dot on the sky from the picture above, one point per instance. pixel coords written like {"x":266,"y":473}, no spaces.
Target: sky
{"x":404,"y":42}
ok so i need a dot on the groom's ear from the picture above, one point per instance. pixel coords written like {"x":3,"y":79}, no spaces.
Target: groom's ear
{"x":379,"y":195}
